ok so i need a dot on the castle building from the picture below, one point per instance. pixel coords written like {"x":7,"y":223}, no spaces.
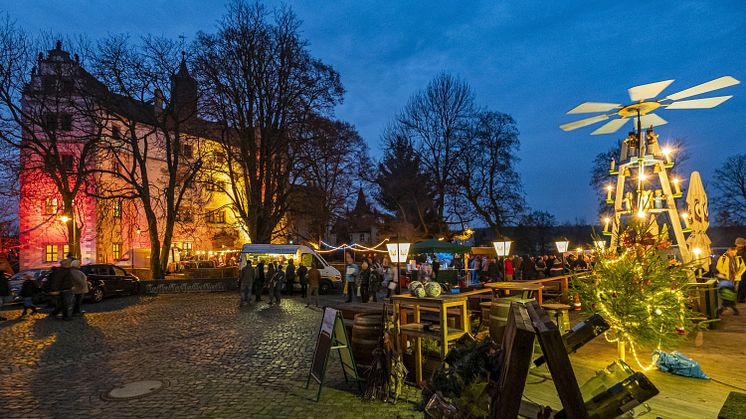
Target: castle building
{"x":106,"y":218}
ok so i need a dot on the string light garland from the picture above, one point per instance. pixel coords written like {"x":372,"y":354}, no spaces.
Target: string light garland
{"x":638,"y":294}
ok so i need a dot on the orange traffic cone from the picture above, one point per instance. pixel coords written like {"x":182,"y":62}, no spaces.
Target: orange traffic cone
{"x":577,"y":304}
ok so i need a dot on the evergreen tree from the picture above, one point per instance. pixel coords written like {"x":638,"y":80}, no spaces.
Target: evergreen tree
{"x":638,"y":292}
{"x":404,"y":191}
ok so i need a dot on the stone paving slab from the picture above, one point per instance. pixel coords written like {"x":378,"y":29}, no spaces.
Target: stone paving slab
{"x":215,"y":359}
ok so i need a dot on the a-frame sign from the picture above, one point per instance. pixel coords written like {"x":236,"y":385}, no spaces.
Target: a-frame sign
{"x":332,"y":336}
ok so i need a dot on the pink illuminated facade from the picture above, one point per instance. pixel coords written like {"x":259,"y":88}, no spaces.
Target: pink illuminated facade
{"x":108,"y":229}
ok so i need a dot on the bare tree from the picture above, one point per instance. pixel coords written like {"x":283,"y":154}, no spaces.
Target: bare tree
{"x":38,"y":99}
{"x":436,"y":119}
{"x":330,"y":158}
{"x":730,"y":186}
{"x":485,"y":171}
{"x":262,"y":84}
{"x":153,"y":137}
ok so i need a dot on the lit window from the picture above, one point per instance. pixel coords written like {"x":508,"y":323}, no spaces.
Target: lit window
{"x":187,"y":247}
{"x":65,"y":250}
{"x":116,"y":251}
{"x":117,"y":209}
{"x":50,"y":206}
{"x":50,"y":253}
{"x":215,"y":217}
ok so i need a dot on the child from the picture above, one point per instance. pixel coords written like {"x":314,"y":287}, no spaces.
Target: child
{"x":727,"y":292}
{"x":29,"y":290}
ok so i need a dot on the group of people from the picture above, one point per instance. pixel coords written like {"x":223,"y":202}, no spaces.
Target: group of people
{"x":485,"y":269}
{"x":65,"y":286}
{"x":278,"y":278}
{"x":366,"y":279}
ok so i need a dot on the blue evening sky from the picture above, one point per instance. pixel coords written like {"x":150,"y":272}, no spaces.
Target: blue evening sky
{"x":531,"y":59}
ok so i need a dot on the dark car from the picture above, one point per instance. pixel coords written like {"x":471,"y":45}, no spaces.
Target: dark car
{"x":105,"y":280}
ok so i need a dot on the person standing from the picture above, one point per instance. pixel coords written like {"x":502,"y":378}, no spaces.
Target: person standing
{"x":60,"y":286}
{"x":365,"y":281}
{"x":436,"y":267}
{"x":352,"y":273}
{"x":79,"y":288}
{"x":741,"y":251}
{"x":476,"y":267}
{"x":276,"y":285}
{"x":4,"y":291}
{"x":509,"y":271}
{"x":247,"y":283}
{"x":314,"y":279}
{"x":731,"y":266}
{"x":29,"y":289}
{"x":301,"y":274}
{"x":289,"y":277}
{"x":270,"y":274}
{"x":259,"y":280}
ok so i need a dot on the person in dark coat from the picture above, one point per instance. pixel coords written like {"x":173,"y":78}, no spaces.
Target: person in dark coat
{"x":301,"y":274}
{"x":289,"y":277}
{"x":247,"y":283}
{"x":60,"y":285}
{"x":365,"y":274}
{"x":29,"y":289}
{"x":259,"y":281}
{"x":4,"y":291}
{"x":529,"y":268}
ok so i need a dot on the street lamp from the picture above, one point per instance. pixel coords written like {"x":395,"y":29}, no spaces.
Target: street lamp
{"x":65,"y":219}
{"x":502,"y":248}
{"x":398,"y":252}
{"x":562,"y":246}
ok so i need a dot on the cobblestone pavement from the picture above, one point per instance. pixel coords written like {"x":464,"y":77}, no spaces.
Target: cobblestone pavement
{"x":216,"y":360}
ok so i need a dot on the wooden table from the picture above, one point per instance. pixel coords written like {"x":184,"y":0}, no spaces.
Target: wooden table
{"x":416,"y":329}
{"x":516,"y":286}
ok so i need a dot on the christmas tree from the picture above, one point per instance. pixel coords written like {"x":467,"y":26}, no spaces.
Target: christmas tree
{"x":638,"y":291}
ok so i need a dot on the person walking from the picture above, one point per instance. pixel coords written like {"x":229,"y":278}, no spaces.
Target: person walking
{"x":509,"y":271}
{"x":314,"y":278}
{"x":270,"y":274}
{"x":276,"y":285}
{"x":289,"y":277}
{"x":29,"y":290}
{"x":4,"y":292}
{"x":259,"y":280}
{"x":352,"y":274}
{"x":731,"y":266}
{"x":247,"y":283}
{"x":741,"y":251}
{"x":79,"y":288}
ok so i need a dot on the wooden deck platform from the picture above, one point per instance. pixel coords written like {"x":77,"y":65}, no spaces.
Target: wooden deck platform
{"x":722,"y":357}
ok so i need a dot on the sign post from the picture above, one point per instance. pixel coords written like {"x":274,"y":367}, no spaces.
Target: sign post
{"x":332,"y":335}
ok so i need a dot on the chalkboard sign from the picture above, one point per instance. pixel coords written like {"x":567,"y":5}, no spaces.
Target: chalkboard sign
{"x":332,"y":335}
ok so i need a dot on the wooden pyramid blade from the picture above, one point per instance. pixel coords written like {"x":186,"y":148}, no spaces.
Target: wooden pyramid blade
{"x":589,"y":107}
{"x":652,"y":120}
{"x":611,"y":126}
{"x":583,"y":122}
{"x":711,"y":85}
{"x":647,"y":91}
{"x":707,"y":103}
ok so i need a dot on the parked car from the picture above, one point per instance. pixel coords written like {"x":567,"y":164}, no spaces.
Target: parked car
{"x":105,"y":280}
{"x":16,"y":281}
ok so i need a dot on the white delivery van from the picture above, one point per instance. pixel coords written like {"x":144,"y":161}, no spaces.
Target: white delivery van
{"x":330,"y":276}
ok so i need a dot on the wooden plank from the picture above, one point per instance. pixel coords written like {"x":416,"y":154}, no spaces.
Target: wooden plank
{"x":558,"y":361}
{"x":518,"y":342}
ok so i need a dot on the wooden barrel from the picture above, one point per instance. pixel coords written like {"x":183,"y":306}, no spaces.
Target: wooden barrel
{"x":366,"y":331}
{"x":499,"y":316}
